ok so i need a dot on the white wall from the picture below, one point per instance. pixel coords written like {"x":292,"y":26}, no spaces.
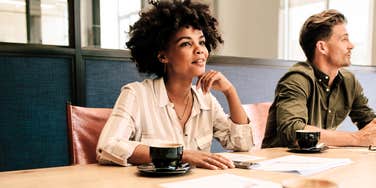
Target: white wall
{"x":249,"y":27}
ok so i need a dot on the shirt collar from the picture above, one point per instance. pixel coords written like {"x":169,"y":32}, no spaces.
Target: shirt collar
{"x":321,"y":77}
{"x":338,"y":78}
{"x":161,"y":93}
{"x":324,"y":78}
{"x":203,"y":104}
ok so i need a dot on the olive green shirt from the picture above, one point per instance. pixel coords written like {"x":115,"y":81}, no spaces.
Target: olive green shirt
{"x":303,"y":97}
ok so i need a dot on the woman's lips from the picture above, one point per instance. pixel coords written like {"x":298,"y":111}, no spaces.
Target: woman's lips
{"x":199,"y":62}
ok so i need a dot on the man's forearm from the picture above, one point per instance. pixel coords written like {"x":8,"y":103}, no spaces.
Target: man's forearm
{"x":335,"y":138}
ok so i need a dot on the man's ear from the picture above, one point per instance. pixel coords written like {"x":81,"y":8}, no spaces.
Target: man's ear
{"x":322,"y":47}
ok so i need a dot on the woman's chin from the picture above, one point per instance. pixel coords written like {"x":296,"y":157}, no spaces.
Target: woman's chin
{"x":199,"y":73}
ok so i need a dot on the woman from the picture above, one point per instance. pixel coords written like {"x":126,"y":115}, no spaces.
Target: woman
{"x":172,"y":40}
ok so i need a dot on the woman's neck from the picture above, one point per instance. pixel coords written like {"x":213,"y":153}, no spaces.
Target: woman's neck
{"x":178,"y":90}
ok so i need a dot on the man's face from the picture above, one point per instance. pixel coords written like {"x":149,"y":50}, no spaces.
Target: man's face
{"x":339,"y":47}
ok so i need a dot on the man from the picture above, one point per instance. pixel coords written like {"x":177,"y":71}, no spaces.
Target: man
{"x":318,"y":94}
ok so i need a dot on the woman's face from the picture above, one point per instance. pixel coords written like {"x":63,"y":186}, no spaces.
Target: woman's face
{"x":186,"y":54}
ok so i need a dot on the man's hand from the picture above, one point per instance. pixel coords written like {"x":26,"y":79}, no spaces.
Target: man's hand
{"x":367,"y":135}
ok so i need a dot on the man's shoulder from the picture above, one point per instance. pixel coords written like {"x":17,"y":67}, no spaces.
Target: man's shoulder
{"x":347,"y":74}
{"x":300,"y":71}
{"x":303,"y":68}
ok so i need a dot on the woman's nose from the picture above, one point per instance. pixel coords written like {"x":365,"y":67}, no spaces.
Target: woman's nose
{"x":199,"y":49}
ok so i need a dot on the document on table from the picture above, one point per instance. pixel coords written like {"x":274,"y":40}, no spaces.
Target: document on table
{"x":222,"y":181}
{"x":301,"y":164}
{"x":240,"y":157}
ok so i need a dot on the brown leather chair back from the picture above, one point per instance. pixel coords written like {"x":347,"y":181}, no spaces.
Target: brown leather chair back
{"x":84,"y":127}
{"x":258,"y":114}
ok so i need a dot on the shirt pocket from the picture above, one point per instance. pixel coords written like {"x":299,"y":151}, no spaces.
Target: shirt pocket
{"x":204,"y":142}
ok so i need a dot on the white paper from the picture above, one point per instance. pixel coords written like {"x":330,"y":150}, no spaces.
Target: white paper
{"x":301,"y":164}
{"x":240,"y":157}
{"x":222,"y":181}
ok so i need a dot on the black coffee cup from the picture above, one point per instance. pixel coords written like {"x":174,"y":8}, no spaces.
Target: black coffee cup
{"x":307,"y":139}
{"x":166,"y":156}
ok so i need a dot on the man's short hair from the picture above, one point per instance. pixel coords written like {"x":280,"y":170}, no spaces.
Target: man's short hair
{"x":318,"y":27}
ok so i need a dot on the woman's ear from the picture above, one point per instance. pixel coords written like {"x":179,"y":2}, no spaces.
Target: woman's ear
{"x":322,"y":47}
{"x":162,"y":58}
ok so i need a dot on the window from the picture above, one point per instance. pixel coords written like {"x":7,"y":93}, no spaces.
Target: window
{"x":105,"y":23}
{"x":34,"y":21}
{"x":293,"y":13}
{"x":54,"y":19}
{"x":13,"y":21}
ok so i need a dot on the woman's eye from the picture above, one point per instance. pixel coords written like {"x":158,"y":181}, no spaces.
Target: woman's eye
{"x":202,"y":42}
{"x":185,"y":44}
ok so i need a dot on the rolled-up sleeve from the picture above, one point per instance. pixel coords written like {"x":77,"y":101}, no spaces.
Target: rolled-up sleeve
{"x":232,"y":136}
{"x":114,"y":144}
{"x":361,"y":114}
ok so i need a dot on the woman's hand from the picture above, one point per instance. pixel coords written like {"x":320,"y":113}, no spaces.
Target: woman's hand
{"x":217,"y":81}
{"x":207,"y":160}
{"x":213,"y":79}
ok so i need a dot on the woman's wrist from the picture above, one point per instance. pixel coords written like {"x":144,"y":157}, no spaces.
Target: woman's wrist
{"x":229,"y":91}
{"x":185,"y":156}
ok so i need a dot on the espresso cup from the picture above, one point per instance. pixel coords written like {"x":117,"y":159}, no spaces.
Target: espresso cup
{"x":307,"y":138}
{"x":166,"y":156}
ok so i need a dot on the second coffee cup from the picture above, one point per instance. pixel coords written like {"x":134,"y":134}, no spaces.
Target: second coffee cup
{"x":307,"y":138}
{"x":166,"y":156}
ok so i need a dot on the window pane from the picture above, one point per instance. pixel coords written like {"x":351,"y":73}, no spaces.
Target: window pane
{"x":359,"y":25}
{"x":299,"y":11}
{"x":45,"y":22}
{"x":13,"y":21}
{"x":54,"y":22}
{"x":105,"y":24}
{"x":128,"y":14}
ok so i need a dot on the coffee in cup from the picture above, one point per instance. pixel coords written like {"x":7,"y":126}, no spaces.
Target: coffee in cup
{"x":166,"y":156}
{"x":307,"y":138}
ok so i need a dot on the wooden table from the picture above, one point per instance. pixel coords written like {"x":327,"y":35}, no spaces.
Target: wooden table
{"x":361,"y":173}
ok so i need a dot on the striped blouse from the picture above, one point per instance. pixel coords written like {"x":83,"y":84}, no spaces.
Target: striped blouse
{"x":143,"y":114}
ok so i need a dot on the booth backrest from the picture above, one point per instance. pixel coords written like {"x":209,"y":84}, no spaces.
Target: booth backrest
{"x":84,"y":127}
{"x":258,"y":114}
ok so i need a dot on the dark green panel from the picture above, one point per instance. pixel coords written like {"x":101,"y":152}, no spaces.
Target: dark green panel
{"x":104,"y":79}
{"x":33,"y":93}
